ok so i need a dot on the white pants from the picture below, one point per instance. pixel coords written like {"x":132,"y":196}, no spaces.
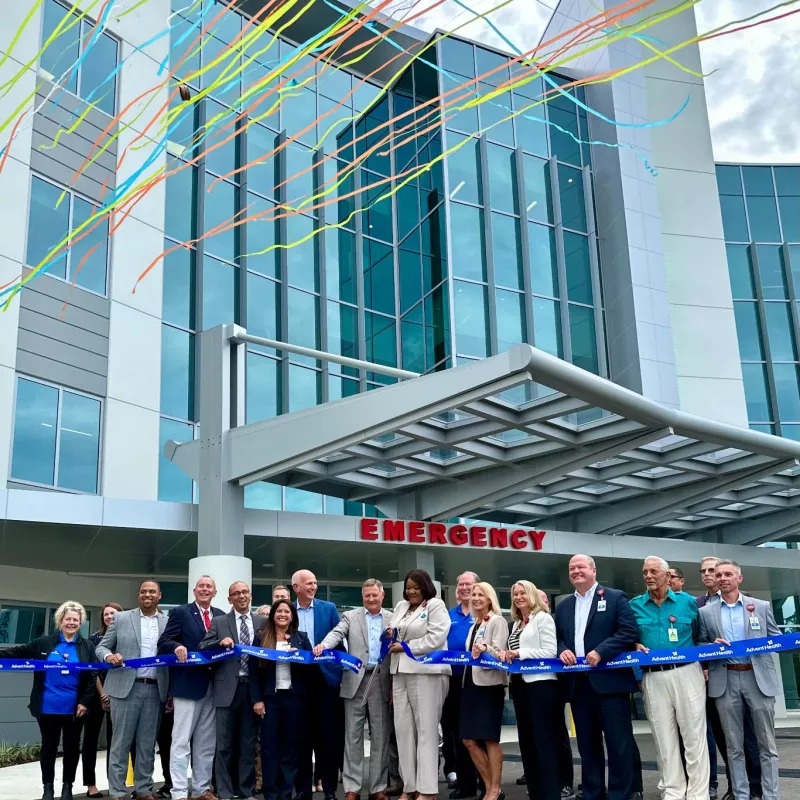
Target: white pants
{"x":194,"y":731}
{"x":675,"y":700}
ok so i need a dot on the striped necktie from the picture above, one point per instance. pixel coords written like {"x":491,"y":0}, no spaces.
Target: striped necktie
{"x":244,"y":638}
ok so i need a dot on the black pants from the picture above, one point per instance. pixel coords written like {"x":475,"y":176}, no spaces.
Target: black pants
{"x":322,"y":741}
{"x":164,"y":740}
{"x":281,"y":733}
{"x":456,"y":756}
{"x":638,"y":782}
{"x":538,"y":705}
{"x":92,"y":724}
{"x":566,"y":769}
{"x":236,"y":733}
{"x":52,"y":727}
{"x":598,"y":717}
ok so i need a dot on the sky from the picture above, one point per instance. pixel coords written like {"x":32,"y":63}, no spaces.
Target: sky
{"x":753,"y":89}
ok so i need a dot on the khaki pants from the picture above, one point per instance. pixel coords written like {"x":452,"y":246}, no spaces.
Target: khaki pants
{"x":418,"y":701}
{"x":675,"y":703}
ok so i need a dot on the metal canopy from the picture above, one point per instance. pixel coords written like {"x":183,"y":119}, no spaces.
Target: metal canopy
{"x":520,"y":438}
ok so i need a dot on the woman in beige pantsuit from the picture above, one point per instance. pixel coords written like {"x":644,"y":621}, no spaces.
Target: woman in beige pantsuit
{"x":418,"y":691}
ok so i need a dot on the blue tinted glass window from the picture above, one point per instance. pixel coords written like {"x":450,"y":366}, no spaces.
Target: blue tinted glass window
{"x":183,"y":55}
{"x":263,"y":306}
{"x":301,"y":264}
{"x":790,"y":218}
{"x":734,"y":221}
{"x":408,"y":213}
{"x":342,"y":330}
{"x":779,"y":328}
{"x":220,"y":210}
{"x":378,"y":276}
{"x":263,"y":387}
{"x":794,"y":260}
{"x":748,"y":332}
{"x":502,"y":178}
{"x":467,"y":242}
{"x":261,"y":175}
{"x":413,"y":340}
{"x":564,"y":135}
{"x":510,"y":319}
{"x":763,"y":216}
{"x":457,"y":56}
{"x":35,"y":428}
{"x":495,"y":116}
{"x":261,"y":237}
{"x":758,"y":181}
{"x":268,"y":496}
{"x":337,"y":389}
{"x":306,"y":502}
{"x":299,"y":108}
{"x":507,"y":251}
{"x":183,"y":127}
{"x":463,"y":168}
{"x":177,"y":372}
{"x":544,"y":269}
{"x":334,"y":83}
{"x":728,"y":180}
{"x":437,"y":326}
{"x":582,"y":333}
{"x":579,"y":273}
{"x":304,"y":388}
{"x":303,"y":319}
{"x":538,"y":198}
{"x":573,"y":207}
{"x":340,"y":267}
{"x":220,"y":293}
{"x":458,"y":94}
{"x":174,"y":485}
{"x":79,"y":442}
{"x":177,"y":303}
{"x":410,"y":279}
{"x":381,"y":342}
{"x":299,"y":174}
{"x":787,"y":391}
{"x":741,"y":271}
{"x":99,"y":61}
{"x":770,"y":265}
{"x":181,"y":203}
{"x":47,"y":226}
{"x":225,"y":59}
{"x":472,"y":329}
{"x":377,"y":204}
{"x":88,"y":258}
{"x":547,"y":326}
{"x":755,"y":391}
{"x":787,"y":181}
{"x":59,"y":58}
{"x":221,"y":155}
{"x":531,"y":127}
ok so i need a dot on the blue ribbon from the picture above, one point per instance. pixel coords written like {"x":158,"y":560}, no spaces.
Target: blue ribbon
{"x":688,"y":655}
{"x":206,"y":658}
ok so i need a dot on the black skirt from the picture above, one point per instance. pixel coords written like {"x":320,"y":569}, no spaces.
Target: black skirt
{"x":481,"y":710}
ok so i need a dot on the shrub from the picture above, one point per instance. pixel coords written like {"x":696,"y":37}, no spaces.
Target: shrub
{"x":12,"y":753}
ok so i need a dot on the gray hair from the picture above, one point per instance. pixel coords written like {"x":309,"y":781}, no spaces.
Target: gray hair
{"x":65,"y":608}
{"x":731,"y":563}
{"x":475,"y":575}
{"x":372,"y":582}
{"x":660,"y":561}
{"x":200,"y":577}
{"x":589,"y":559}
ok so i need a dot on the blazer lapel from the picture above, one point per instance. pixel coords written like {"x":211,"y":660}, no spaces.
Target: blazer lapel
{"x":234,"y":627}
{"x":593,"y":607}
{"x":749,"y":633}
{"x":716,"y":610}
{"x":197,"y":617}
{"x":362,"y":618}
{"x":136,"y":624}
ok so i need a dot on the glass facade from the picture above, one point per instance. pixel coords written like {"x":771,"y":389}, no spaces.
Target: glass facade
{"x":413,"y":260}
{"x":761,"y":221}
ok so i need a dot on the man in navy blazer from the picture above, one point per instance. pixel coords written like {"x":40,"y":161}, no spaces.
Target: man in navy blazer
{"x":597,"y":623}
{"x":194,"y":727}
{"x":317,"y":619}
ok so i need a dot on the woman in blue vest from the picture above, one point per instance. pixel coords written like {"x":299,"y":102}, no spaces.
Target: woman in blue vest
{"x":59,"y":697}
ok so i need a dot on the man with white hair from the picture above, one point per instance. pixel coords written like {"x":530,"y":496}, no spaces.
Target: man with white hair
{"x":674,"y":694}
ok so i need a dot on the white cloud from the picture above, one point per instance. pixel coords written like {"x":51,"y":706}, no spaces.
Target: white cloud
{"x":754,"y":90}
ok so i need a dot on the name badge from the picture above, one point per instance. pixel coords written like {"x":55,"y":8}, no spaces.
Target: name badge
{"x":601,"y":605}
{"x":672,"y":633}
{"x":755,"y":625}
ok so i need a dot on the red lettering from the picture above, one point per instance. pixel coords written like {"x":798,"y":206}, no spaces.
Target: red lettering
{"x":436,"y":533}
{"x":416,"y":532}
{"x":458,"y":535}
{"x":498,"y":537}
{"x":518,"y":539}
{"x":369,"y":529}
{"x":394,"y":530}
{"x":477,"y":536}
{"x":536,"y":538}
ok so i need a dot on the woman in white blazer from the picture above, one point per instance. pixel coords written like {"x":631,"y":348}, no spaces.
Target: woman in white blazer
{"x":484,"y":691}
{"x":418,"y":691}
{"x":535,"y":695}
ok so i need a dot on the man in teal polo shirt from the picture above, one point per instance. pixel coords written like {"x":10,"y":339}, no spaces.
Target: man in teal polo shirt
{"x":674,"y":694}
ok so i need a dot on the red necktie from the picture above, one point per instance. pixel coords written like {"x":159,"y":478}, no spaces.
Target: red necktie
{"x":206,"y":618}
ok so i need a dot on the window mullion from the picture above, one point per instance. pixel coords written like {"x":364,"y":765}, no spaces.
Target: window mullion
{"x":57,"y":455}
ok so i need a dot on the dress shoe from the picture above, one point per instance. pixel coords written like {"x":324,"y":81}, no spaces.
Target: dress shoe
{"x":352,"y":796}
{"x":379,"y":796}
{"x":207,"y":795}
{"x":332,"y":797}
{"x":452,"y":783}
{"x":394,"y":790}
{"x":522,"y":780}
{"x":48,"y":792}
{"x":636,"y":796}
{"x":713,"y":794}
{"x":729,"y":795}
{"x":460,"y":794}
{"x":66,"y":791}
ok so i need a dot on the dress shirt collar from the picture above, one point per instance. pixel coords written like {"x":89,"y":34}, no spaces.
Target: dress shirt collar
{"x":589,"y":593}
{"x":300,"y":608}
{"x":239,"y":615}
{"x":203,"y":610}
{"x":369,"y":614}
{"x":148,"y":616}
{"x":737,"y":602}
{"x":671,"y":596}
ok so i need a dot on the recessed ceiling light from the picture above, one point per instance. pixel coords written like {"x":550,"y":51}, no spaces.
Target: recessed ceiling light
{"x":394,"y":570}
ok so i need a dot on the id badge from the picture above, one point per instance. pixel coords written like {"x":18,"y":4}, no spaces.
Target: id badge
{"x":601,"y":605}
{"x":672,"y":633}
{"x":755,"y":625}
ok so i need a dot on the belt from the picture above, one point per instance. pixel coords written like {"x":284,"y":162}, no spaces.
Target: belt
{"x":146,"y":680}
{"x":243,"y":678}
{"x":739,"y":667}
{"x":367,"y":670}
{"x":662,"y":667}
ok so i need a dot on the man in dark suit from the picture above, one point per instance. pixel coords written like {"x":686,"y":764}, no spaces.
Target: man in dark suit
{"x":317,"y":619}
{"x":193,"y":731}
{"x":597,"y":623}
{"x":236,"y":724}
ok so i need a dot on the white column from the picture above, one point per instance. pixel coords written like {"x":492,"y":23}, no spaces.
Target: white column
{"x":225,"y":570}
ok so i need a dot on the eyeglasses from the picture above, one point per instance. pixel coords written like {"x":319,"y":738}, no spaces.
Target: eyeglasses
{"x":241,"y":593}
{"x":711,"y":570}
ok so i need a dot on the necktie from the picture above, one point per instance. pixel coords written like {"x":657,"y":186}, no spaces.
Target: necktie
{"x":206,"y":619}
{"x":244,"y":638}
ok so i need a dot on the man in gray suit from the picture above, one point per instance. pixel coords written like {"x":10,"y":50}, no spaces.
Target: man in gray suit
{"x":736,"y":682}
{"x":237,"y":724}
{"x":137,"y":696}
{"x":366,"y":694}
